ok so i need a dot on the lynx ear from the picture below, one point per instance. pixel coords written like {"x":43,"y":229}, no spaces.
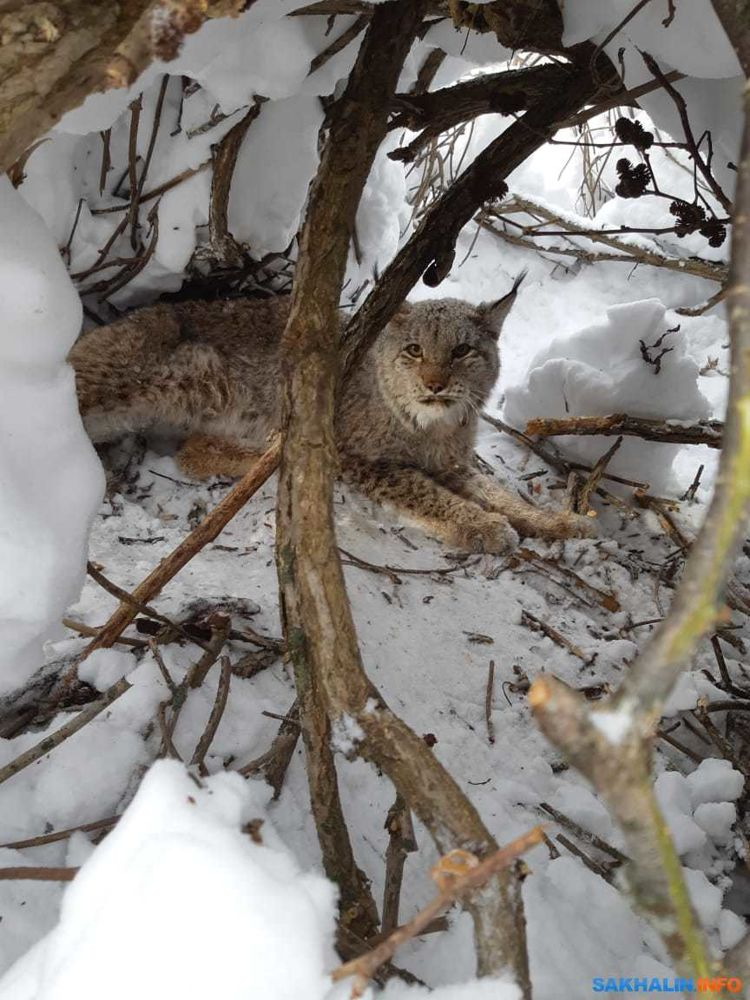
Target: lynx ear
{"x":494,"y":314}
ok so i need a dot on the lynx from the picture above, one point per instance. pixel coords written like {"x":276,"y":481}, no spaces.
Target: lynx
{"x":405,"y":424}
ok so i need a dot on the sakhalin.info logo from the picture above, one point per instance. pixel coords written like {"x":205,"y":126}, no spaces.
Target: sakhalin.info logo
{"x":644,"y":984}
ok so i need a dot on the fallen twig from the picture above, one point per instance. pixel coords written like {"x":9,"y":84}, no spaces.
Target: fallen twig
{"x":362,"y":969}
{"x":65,"y":731}
{"x":488,"y":702}
{"x":214,"y":719}
{"x":532,"y":622}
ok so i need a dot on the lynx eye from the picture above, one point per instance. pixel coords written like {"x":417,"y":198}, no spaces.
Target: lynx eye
{"x":462,"y":350}
{"x":413,"y":350}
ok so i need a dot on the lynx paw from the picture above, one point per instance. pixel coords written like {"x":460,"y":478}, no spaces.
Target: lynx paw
{"x":491,"y":533}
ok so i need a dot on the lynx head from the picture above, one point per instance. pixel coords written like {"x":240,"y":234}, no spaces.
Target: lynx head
{"x":437,"y":361}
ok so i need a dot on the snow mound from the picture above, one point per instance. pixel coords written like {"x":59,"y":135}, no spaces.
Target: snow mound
{"x":51,"y":481}
{"x":178,"y":869}
{"x":603,"y":369}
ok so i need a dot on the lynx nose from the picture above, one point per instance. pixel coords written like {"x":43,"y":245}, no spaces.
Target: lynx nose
{"x":434,"y":380}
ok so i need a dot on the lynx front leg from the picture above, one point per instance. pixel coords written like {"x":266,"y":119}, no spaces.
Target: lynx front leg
{"x":202,"y":456}
{"x":435,"y":509}
{"x":539,"y":522}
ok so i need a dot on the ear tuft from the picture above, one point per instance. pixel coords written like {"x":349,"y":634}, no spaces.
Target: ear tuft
{"x":494,"y":314}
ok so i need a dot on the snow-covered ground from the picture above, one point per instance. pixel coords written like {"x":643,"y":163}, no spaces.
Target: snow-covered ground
{"x":177,"y":897}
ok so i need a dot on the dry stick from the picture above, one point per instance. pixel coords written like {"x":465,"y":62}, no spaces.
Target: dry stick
{"x":700,"y":163}
{"x":401,"y":842}
{"x":221,"y":626}
{"x":222,"y":694}
{"x":222,"y":248}
{"x":610,"y":744}
{"x":346,"y":36}
{"x":56,"y":835}
{"x":135,"y":117}
{"x":65,"y":731}
{"x":583,"y":833}
{"x":273,"y":764}
{"x":602,"y":597}
{"x":532,"y":622}
{"x":139,"y":607}
{"x":92,"y":630}
{"x":364,"y":968}
{"x":38,"y":874}
{"x":488,"y":702}
{"x":708,"y":432}
{"x":630,"y":252}
{"x":209,"y":528}
{"x":317,"y":620}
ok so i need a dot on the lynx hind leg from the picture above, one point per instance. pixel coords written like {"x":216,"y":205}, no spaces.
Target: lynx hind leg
{"x":202,"y":456}
{"x":428,"y":505}
{"x":538,"y":522}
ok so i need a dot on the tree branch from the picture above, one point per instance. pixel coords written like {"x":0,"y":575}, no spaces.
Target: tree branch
{"x":54,"y":56}
{"x":708,"y":432}
{"x":313,"y":599}
{"x":434,"y":240}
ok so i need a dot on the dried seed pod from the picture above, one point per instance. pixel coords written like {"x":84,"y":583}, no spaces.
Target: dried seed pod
{"x":633,"y":133}
{"x":633,"y":179}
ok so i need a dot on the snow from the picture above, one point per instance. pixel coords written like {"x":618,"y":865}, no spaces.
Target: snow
{"x":276,"y":163}
{"x":179,"y":868}
{"x":51,"y":481}
{"x":714,"y":781}
{"x":601,"y":370}
{"x":571,"y":345}
{"x":694,"y":42}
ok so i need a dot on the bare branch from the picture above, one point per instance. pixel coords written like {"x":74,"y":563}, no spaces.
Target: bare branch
{"x":708,"y":432}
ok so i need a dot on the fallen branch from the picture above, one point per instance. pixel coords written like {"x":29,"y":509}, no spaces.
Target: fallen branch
{"x":273,"y":764}
{"x":65,"y":731}
{"x":209,"y":528}
{"x":38,"y":874}
{"x":363,"y":969}
{"x":214,"y":719}
{"x":708,"y":432}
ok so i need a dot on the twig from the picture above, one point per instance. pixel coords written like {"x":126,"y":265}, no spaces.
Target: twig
{"x":348,"y":35}
{"x":138,"y":606}
{"x":401,"y":842}
{"x":364,"y":967}
{"x":273,"y":764}
{"x":582,"y":833}
{"x":199,"y":537}
{"x":38,"y":874}
{"x":532,"y":622}
{"x":65,"y":731}
{"x":91,"y":630}
{"x":692,"y":146}
{"x":602,"y":597}
{"x":222,"y":694}
{"x":56,"y":835}
{"x":220,"y":625}
{"x":488,"y":702}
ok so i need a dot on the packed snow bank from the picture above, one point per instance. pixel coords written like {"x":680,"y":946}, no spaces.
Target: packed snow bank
{"x":198,"y":863}
{"x":177,"y":874}
{"x":614,"y":367}
{"x":50,"y":479}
